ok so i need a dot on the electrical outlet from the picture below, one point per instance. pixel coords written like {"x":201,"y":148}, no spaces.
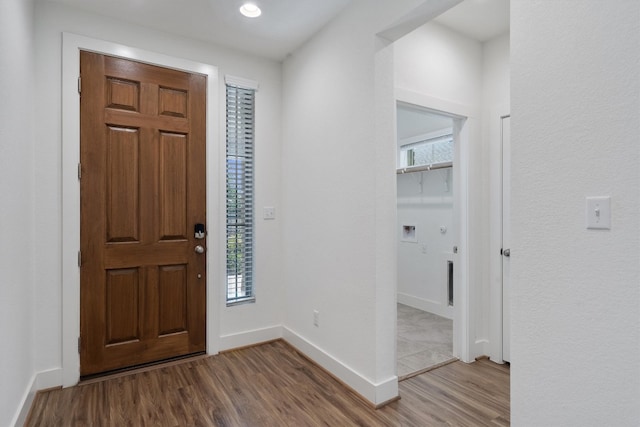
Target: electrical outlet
{"x":316,"y":318}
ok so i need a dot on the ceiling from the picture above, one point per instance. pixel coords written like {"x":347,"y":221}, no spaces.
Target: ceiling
{"x":284,"y":25}
{"x":481,"y":20}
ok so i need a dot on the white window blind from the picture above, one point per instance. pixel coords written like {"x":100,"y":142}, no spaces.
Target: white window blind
{"x":239,"y":174}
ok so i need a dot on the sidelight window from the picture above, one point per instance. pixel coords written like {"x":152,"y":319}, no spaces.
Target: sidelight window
{"x":240,"y":192}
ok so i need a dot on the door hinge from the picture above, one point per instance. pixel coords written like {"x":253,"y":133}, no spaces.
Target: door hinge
{"x":79,"y":259}
{"x":79,"y":344}
{"x":79,"y":171}
{"x":79,"y":85}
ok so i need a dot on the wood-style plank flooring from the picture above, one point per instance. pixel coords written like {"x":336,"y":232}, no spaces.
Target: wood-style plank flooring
{"x":273,"y":385}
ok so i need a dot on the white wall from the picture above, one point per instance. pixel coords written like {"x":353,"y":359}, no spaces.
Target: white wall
{"x":425,"y":200}
{"x":495,"y":72}
{"x":17,"y":262}
{"x":576,"y":294}
{"x":439,"y":62}
{"x":328,"y":193}
{"x":237,"y":324}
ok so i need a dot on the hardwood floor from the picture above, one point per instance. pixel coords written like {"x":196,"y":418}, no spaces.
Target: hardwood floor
{"x":273,"y":385}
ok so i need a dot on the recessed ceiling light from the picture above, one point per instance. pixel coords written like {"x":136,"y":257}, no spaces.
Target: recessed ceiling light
{"x":250,"y":10}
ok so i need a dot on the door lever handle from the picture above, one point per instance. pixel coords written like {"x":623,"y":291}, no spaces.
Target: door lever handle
{"x":506,"y":252}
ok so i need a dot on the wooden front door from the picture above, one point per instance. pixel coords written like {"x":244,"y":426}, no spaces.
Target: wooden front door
{"x":142,"y":190}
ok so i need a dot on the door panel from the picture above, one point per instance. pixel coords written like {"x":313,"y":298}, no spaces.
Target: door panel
{"x":172,"y":291}
{"x":142,"y":152}
{"x":123,"y":197}
{"x":122,"y":303}
{"x":173,"y":186}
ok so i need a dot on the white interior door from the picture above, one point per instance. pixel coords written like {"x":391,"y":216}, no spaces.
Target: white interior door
{"x":506,"y":237}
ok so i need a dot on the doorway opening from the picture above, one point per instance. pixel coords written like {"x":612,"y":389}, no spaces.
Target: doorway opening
{"x":426,"y":239}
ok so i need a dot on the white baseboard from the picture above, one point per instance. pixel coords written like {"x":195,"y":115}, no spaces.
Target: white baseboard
{"x":480,"y":348}
{"x":246,"y":338}
{"x":39,"y":381}
{"x":49,"y":379}
{"x":423,"y":304}
{"x":25,"y":404}
{"x":376,"y":393}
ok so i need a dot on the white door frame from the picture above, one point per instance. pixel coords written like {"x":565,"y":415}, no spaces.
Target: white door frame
{"x":465,"y":130}
{"x":71,"y":46}
{"x":505,"y":138}
{"x":495,"y":239}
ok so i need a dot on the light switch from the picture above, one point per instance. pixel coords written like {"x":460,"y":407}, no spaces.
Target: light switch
{"x":599,"y":213}
{"x":269,"y":212}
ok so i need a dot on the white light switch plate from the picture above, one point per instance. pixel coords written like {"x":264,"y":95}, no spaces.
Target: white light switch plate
{"x":269,"y":212}
{"x":599,"y":213}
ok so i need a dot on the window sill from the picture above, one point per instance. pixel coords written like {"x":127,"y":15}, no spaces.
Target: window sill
{"x":243,"y":301}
